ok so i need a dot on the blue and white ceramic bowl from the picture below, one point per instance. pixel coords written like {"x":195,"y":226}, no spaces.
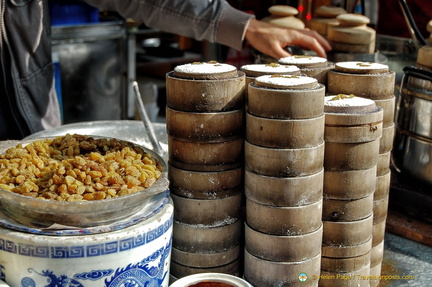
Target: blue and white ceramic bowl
{"x":137,"y":255}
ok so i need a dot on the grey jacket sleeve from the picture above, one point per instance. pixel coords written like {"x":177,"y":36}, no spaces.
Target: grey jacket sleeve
{"x":212,"y":20}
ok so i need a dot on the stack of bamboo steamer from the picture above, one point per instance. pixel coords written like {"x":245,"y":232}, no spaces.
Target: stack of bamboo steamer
{"x":255,"y":70}
{"x":325,"y":16}
{"x":373,"y":81}
{"x":284,"y":157}
{"x":311,"y":66}
{"x":353,"y":128}
{"x":205,"y":126}
{"x":352,"y":35}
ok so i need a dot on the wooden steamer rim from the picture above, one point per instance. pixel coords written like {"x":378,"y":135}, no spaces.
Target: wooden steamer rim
{"x":179,"y":270}
{"x":349,"y":184}
{"x":377,"y":253}
{"x":284,"y":133}
{"x":348,"y":233}
{"x":372,"y":86}
{"x":204,"y":126}
{"x":256,"y":70}
{"x":344,"y":251}
{"x":351,"y":119}
{"x":211,"y":70}
{"x":382,"y":185}
{"x":205,"y":95}
{"x":207,"y":211}
{"x":284,"y":191}
{"x":348,"y":264}
{"x":378,"y":230}
{"x":284,"y":162}
{"x":205,"y":182}
{"x":261,"y":272}
{"x":207,"y":238}
{"x":346,"y":279}
{"x":380,"y":207}
{"x":213,"y":155}
{"x":304,"y":61}
{"x":351,"y":156}
{"x":276,"y":220}
{"x":205,"y":259}
{"x":281,"y":248}
{"x":286,"y":103}
{"x":338,"y":210}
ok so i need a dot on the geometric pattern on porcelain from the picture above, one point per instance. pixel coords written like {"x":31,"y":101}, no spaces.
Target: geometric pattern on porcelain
{"x":138,"y":255}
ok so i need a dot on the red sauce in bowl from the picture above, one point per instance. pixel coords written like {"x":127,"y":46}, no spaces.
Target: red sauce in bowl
{"x":211,"y":284}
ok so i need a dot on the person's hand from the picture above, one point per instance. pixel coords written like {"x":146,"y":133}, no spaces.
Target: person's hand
{"x":271,"y":39}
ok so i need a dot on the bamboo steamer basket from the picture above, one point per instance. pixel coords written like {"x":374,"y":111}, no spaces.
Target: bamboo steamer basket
{"x":349,"y":233}
{"x":319,"y":73}
{"x":255,"y":70}
{"x":205,"y":95}
{"x":179,"y":270}
{"x":351,"y":156}
{"x":382,"y":185}
{"x":206,"y":259}
{"x":214,"y":155}
{"x":281,"y":248}
{"x":375,"y":273}
{"x":383,"y":164}
{"x":347,"y":210}
{"x":380,"y":207}
{"x":353,"y":48}
{"x":378,"y":230}
{"x":287,"y":221}
{"x":351,"y":119}
{"x":284,"y":162}
{"x":207,"y":211}
{"x":204,"y":126}
{"x":369,"y":80}
{"x":286,"y":103}
{"x":386,"y":141}
{"x":356,"y":278}
{"x":342,"y":265}
{"x":260,"y":272}
{"x":284,"y":191}
{"x":388,"y":106}
{"x":284,"y":133}
{"x":311,"y":66}
{"x":207,"y":238}
{"x":353,"y":134}
{"x":377,"y":254}
{"x":346,"y":251}
{"x":194,"y":184}
{"x":349,"y":184}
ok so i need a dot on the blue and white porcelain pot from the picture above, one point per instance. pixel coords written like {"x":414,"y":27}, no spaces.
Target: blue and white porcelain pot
{"x":132,"y":252}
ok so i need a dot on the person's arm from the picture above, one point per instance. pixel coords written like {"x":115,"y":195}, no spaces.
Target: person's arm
{"x":215,"y":21}
{"x":271,"y":39}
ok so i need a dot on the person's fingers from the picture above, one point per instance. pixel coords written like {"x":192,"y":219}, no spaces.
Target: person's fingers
{"x":304,"y":40}
{"x":319,"y":37}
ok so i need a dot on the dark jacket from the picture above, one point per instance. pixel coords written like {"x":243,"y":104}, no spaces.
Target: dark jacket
{"x":28,"y":102}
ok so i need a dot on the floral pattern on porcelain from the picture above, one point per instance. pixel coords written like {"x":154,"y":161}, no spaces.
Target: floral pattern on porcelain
{"x":137,"y":256}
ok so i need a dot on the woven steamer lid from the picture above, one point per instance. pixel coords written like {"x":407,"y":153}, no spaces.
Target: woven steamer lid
{"x":286,"y":82}
{"x":282,"y":10}
{"x":304,"y":61}
{"x":357,"y":67}
{"x":329,"y":11}
{"x":348,"y":104}
{"x":352,"y":20}
{"x":211,"y":70}
{"x":256,"y":70}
